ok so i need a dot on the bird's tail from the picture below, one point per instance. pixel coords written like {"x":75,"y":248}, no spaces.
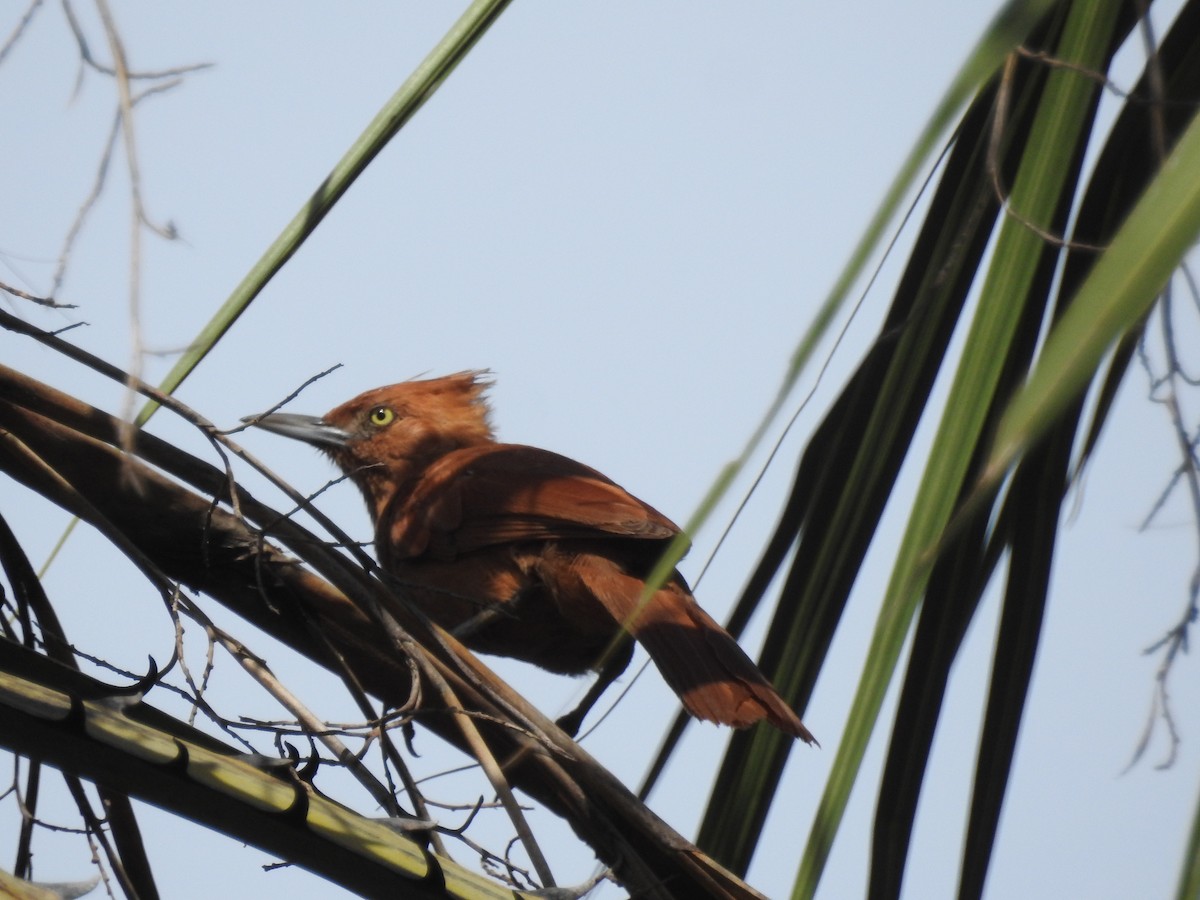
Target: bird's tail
{"x":698,"y":658}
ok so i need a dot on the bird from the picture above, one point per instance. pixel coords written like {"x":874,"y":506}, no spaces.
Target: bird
{"x":525,"y":553}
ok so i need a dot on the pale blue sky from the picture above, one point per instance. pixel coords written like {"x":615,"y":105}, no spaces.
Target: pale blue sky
{"x":628,"y":212}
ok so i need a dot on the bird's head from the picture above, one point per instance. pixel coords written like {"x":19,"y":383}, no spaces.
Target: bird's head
{"x":389,"y":435}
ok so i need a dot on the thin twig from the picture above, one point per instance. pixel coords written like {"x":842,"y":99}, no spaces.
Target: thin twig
{"x":137,"y":217}
{"x":85,"y":54}
{"x":1003,"y":195}
{"x":255,"y":419}
{"x":19,"y":30}
{"x":1165,"y":389}
{"x":97,"y":188}
{"x":33,"y":298}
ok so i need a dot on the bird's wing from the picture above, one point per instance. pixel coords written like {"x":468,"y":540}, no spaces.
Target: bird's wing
{"x":503,"y":493}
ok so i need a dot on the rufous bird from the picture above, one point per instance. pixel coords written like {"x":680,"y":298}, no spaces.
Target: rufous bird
{"x":524,"y":553}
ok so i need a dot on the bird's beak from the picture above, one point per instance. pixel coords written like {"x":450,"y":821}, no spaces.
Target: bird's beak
{"x":309,"y":429}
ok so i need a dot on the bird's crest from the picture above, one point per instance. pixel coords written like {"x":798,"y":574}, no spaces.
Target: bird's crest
{"x":454,"y":406}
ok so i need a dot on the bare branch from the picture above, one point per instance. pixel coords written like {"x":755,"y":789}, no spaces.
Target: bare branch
{"x":19,"y":30}
{"x":85,"y":54}
{"x":993,"y":158}
{"x":33,"y":298}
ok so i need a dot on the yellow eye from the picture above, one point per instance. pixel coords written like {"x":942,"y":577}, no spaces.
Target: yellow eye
{"x":381,"y":416}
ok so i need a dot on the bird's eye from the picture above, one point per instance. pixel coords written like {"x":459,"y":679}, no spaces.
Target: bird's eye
{"x":381,"y":415}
